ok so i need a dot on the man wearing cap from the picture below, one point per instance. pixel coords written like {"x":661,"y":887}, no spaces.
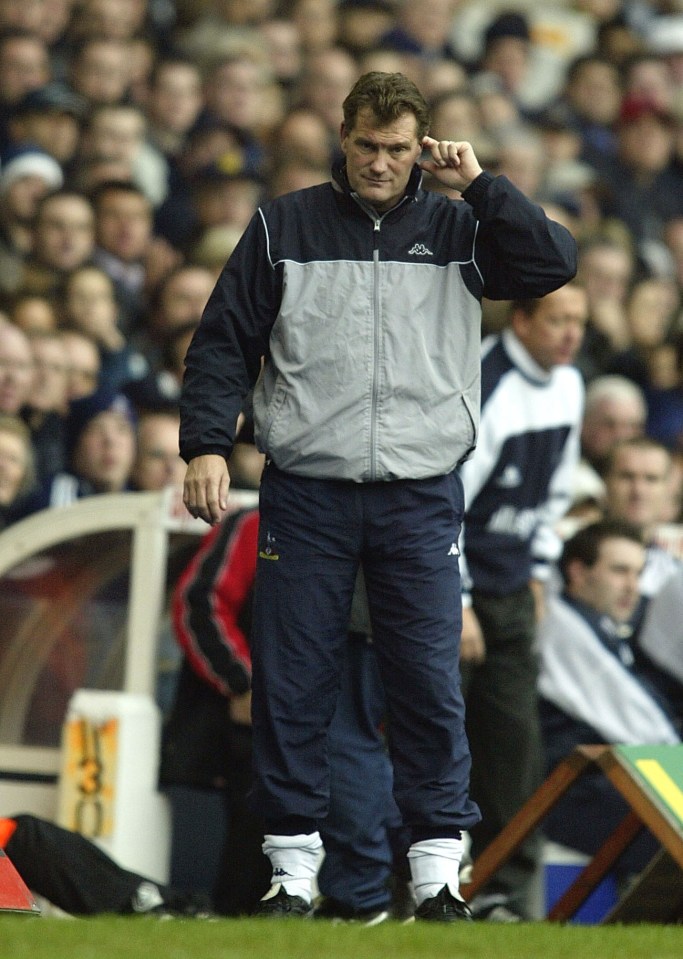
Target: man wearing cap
{"x":50,"y":117}
{"x":27,"y":174}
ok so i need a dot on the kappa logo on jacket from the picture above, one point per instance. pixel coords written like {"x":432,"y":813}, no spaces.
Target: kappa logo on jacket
{"x":419,"y":249}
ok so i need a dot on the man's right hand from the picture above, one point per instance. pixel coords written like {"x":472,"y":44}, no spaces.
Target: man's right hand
{"x":205,"y":491}
{"x":472,"y":645}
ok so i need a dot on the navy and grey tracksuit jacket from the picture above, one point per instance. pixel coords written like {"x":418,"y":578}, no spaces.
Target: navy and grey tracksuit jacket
{"x":369,"y":325}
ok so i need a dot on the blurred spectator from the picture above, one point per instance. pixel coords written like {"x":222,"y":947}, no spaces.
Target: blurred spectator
{"x":301,"y":135}
{"x":24,"y":66}
{"x":283,"y":46}
{"x":615,"y":409}
{"x":665,"y":403}
{"x":214,"y":246}
{"x":100,"y":448}
{"x":157,"y":461}
{"x":236,"y":89}
{"x":27,"y":174}
{"x":507,"y":54}
{"x":16,"y":368}
{"x":210,"y":141}
{"x":422,"y":28}
{"x":109,"y":19}
{"x":606,"y":269}
{"x":637,"y":488}
{"x":82,"y":364}
{"x":648,"y":76}
{"x":46,"y":406}
{"x":590,"y":104}
{"x":296,"y":175}
{"x":363,"y":23}
{"x":326,"y":79}
{"x":174,"y":102}
{"x":521,"y":158}
{"x":652,"y":308}
{"x":456,"y":113}
{"x":117,"y":132}
{"x":618,"y":38}
{"x":442,"y":76}
{"x":175,"y":309}
{"x":88,"y":305}
{"x":32,"y":312}
{"x":99,"y":70}
{"x":645,"y":188}
{"x":51,"y":118}
{"x":498,"y":109}
{"x":126,"y":247}
{"x":64,"y":238}
{"x":177,"y":302}
{"x":223,"y":198}
{"x":316,"y":21}
{"x":17,"y":472}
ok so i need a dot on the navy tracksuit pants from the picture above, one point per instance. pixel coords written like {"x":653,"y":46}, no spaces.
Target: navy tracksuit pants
{"x":313,"y":534}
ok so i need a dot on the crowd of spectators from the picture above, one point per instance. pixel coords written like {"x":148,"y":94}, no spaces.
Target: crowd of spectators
{"x":138,"y":137}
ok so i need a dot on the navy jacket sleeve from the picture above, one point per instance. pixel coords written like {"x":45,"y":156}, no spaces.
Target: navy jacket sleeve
{"x":520,"y":252}
{"x":224,"y":357}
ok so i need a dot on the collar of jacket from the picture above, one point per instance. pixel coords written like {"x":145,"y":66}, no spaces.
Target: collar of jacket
{"x":523,"y":360}
{"x":340,"y":181}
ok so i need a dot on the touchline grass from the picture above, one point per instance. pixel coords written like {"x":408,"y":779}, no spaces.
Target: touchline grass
{"x":144,"y":938}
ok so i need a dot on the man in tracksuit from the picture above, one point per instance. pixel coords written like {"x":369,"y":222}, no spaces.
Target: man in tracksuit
{"x":354,"y":308}
{"x":517,"y":485}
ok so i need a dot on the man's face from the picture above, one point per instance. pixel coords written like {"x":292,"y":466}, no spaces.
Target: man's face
{"x":49,"y":390}
{"x":16,"y":369}
{"x":553,"y":334}
{"x":610,"y":586}
{"x":608,"y":421}
{"x":65,"y":232}
{"x":379,"y":160}
{"x":158,"y":463}
{"x":124,"y":225}
{"x":184,"y":298}
{"x":105,"y":452}
{"x":638,"y":486}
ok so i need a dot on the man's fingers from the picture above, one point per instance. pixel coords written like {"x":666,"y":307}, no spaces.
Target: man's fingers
{"x":205,"y":491}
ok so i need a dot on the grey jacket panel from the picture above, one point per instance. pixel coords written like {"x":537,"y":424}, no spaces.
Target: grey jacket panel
{"x":391,"y":359}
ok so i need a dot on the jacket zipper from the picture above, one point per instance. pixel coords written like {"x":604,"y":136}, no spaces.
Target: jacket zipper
{"x":377,"y":221}
{"x":376,"y":348}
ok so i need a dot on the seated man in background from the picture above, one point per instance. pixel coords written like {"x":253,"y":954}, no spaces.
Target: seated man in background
{"x":591,"y":688}
{"x":637,"y":488}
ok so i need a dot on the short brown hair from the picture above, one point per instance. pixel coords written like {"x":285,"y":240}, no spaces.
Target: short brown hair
{"x":389,"y":96}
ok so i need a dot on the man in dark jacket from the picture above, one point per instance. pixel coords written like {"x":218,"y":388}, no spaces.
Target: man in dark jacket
{"x":362,"y":298}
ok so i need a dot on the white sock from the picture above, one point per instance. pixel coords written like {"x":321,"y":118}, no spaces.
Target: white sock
{"x":295,"y":861}
{"x":435,"y":863}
